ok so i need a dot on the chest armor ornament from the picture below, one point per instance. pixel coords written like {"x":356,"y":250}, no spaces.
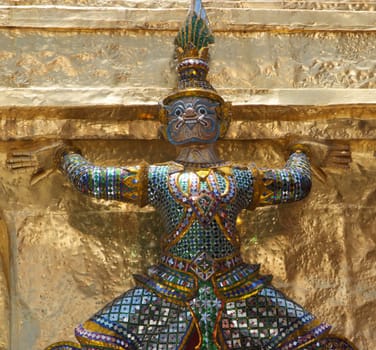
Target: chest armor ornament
{"x":208,"y":197}
{"x":204,"y":196}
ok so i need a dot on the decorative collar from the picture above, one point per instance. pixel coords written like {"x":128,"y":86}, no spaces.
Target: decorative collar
{"x":223,"y":167}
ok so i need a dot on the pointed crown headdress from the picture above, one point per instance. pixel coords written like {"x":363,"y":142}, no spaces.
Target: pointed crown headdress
{"x":192,"y":53}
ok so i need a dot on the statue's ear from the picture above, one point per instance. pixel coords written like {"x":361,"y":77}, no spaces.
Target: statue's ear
{"x":162,"y":132}
{"x":223,"y":128}
{"x":163,"y":109}
{"x":224,"y":112}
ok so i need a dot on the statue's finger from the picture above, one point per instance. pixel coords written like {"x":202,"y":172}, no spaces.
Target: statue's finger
{"x":18,"y":159}
{"x":333,"y":164}
{"x":21,"y":154}
{"x":341,"y":165}
{"x":340,"y":160}
{"x":341,"y":154}
{"x":340,"y":147}
{"x":22,"y":165}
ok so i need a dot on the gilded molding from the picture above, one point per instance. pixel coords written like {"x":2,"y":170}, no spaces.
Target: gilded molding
{"x":328,"y":129}
{"x":86,"y":97}
{"x":287,"y":17}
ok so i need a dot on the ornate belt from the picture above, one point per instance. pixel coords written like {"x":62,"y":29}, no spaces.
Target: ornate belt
{"x":203,"y":265}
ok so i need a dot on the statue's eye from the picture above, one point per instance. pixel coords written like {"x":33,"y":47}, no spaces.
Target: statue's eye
{"x":178,"y":111}
{"x":202,"y":110}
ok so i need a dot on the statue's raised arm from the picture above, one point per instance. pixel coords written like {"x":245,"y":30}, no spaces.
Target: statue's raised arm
{"x":289,"y":184}
{"x":126,"y":183}
{"x":121,"y":183}
{"x":293,"y":182}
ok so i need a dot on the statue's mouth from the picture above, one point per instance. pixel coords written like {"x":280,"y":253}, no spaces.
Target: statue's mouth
{"x":191,"y":121}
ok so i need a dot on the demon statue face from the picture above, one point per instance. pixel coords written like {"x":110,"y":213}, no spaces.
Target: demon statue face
{"x":192,"y":120}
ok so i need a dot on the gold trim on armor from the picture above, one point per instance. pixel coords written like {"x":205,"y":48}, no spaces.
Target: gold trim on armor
{"x":223,"y":342}
{"x":161,"y":295}
{"x":257,"y":179}
{"x":264,"y":193}
{"x":94,"y":327}
{"x":217,"y":326}
{"x":244,"y":296}
{"x":89,"y":342}
{"x":170,"y":284}
{"x":197,"y":325}
{"x":143,"y":181}
{"x":227,"y":178}
{"x":344,"y":339}
{"x":61,"y":343}
{"x":239,"y":283}
{"x":187,"y":335}
{"x":217,"y":292}
{"x":300,"y":332}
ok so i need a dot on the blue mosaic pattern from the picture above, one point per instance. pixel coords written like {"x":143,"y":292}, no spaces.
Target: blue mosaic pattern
{"x":111,"y":183}
{"x":194,"y":226}
{"x":262,"y":321}
{"x":289,"y":184}
{"x":145,"y":320}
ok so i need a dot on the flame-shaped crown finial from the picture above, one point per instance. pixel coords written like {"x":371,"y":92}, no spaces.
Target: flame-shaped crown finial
{"x":195,"y":35}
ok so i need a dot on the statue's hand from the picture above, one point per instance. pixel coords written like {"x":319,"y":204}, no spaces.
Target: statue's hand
{"x":40,"y":161}
{"x":338,"y":156}
{"x":326,"y":154}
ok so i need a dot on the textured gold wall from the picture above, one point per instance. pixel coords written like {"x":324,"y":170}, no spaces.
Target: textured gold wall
{"x":92,"y":72}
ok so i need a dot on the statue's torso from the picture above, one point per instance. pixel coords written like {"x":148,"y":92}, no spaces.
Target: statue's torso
{"x":199,"y":207}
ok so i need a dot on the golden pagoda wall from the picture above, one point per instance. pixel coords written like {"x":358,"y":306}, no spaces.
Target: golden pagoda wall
{"x":92,"y":72}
